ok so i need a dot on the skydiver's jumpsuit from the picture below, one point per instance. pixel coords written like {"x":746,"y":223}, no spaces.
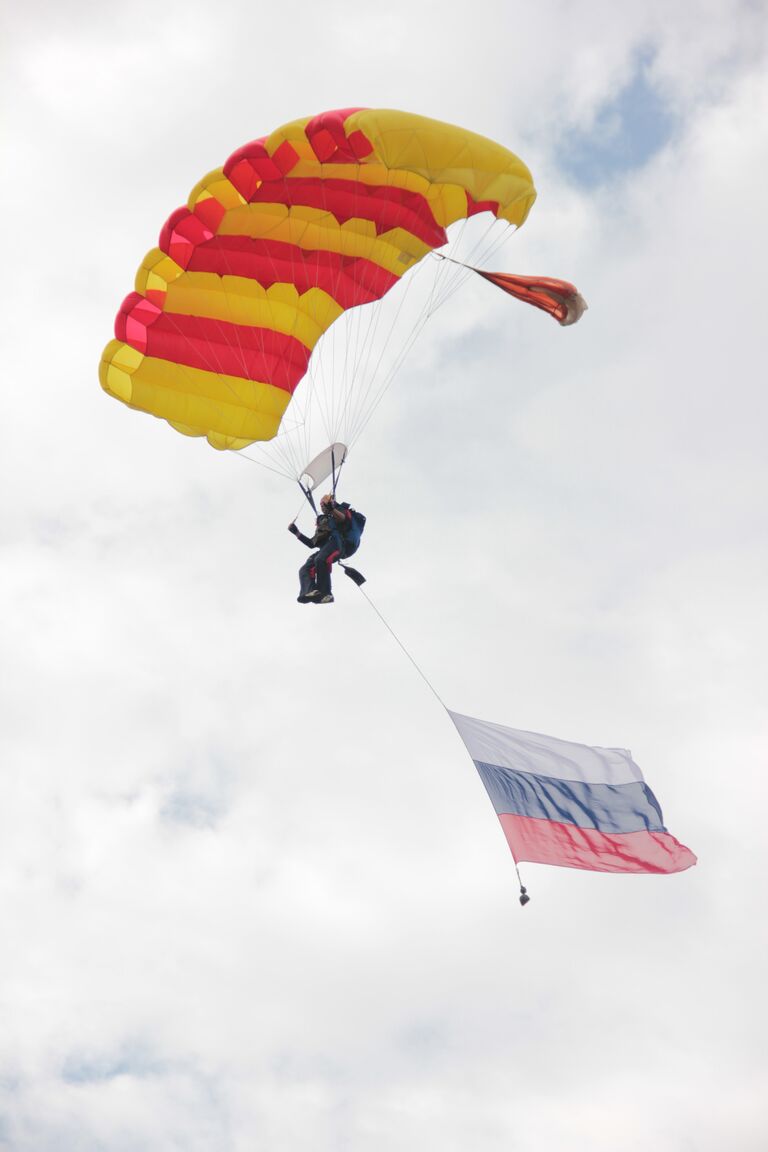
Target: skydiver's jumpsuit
{"x":336,"y":542}
{"x":315,"y":574}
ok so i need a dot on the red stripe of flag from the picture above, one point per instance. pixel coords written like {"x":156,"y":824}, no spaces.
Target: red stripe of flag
{"x":550,"y":842}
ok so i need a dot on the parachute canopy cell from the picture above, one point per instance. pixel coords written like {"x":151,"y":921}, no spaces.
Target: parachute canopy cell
{"x":325,"y":214}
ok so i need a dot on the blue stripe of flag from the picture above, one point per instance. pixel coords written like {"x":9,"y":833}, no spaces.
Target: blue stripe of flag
{"x":606,"y":807}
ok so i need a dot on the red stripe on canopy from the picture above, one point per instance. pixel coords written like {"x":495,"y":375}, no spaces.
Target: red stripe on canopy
{"x":330,"y":143}
{"x":215,"y":345}
{"x":349,"y":280}
{"x":347,"y":200}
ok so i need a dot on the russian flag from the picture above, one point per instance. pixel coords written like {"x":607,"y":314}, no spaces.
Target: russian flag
{"x":570,"y":804}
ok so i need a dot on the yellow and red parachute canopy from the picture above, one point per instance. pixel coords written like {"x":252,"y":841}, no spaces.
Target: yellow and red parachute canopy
{"x":325,"y":214}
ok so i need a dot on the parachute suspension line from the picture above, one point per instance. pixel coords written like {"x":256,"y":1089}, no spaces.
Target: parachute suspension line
{"x":298,"y":443}
{"x":306,"y":389}
{"x":357,"y":385}
{"x":240,"y":455}
{"x":364,"y":405}
{"x":480,"y":252}
{"x":426,"y":312}
{"x":343,"y":386}
{"x":457,"y":280}
{"x":388,"y":379}
{"x":352,"y":324}
{"x":477,"y":252}
{"x":302,"y":397}
{"x":351,"y":347}
{"x":298,"y":511}
{"x":278,"y":451}
{"x":316,"y":393}
{"x":361,"y":394}
{"x":493,"y":238}
{"x":367,"y":370}
{"x":445,"y":277}
{"x":336,"y":472}
{"x":358,"y":402}
{"x":363,"y":351}
{"x":286,"y":446}
{"x":357,"y":340}
{"x":359,"y":327}
{"x":498,"y":238}
{"x":347,"y":401}
{"x":421,"y":319}
{"x":330,"y":394}
{"x":362,"y":398}
{"x":445,"y":284}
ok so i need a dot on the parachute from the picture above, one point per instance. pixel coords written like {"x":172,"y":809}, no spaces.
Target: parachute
{"x":296,"y":230}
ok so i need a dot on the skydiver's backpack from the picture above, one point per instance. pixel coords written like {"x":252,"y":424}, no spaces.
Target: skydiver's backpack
{"x":355,"y":531}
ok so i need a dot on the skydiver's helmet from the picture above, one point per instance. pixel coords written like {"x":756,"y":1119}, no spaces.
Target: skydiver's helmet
{"x":326,"y":502}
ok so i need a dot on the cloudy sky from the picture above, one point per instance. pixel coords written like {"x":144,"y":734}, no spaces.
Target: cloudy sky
{"x":252,"y":893}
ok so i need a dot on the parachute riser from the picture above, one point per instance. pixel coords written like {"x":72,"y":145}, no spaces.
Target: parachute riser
{"x":336,"y":472}
{"x":308,"y":493}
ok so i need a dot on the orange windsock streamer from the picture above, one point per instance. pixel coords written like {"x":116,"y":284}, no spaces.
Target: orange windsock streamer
{"x":556,"y":297}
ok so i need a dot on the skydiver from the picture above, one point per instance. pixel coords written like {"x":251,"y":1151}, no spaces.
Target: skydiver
{"x":337,"y":534}
{"x":308,"y":589}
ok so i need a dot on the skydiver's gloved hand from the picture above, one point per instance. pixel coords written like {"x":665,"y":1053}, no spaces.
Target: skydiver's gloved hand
{"x":293,"y":529}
